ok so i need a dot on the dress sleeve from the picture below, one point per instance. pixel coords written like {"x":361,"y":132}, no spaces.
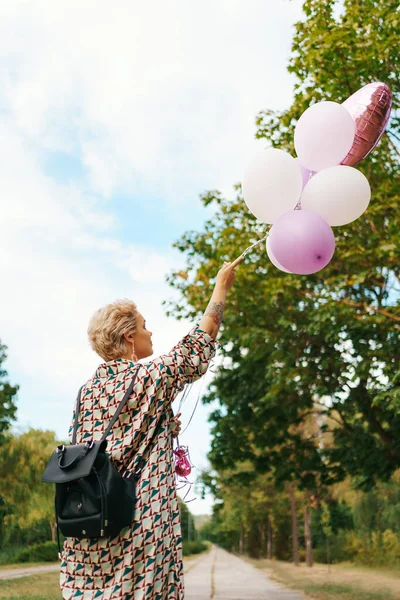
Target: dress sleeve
{"x":187,"y":361}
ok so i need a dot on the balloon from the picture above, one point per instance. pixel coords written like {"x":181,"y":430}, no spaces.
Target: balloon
{"x":272,"y":184}
{"x":370,"y":109}
{"x":302,"y":242}
{"x":339,"y":195}
{"x":324,"y":135}
{"x":273,"y":259}
{"x":305,"y":173}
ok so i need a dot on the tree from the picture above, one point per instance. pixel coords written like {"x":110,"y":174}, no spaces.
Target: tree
{"x":188,"y":525}
{"x":8,"y":412}
{"x":249,"y":515}
{"x":8,"y":408}
{"x":23,"y":460}
{"x":330,"y":340}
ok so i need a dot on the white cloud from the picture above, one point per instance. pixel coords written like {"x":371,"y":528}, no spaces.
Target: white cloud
{"x":57,"y":269}
{"x":155,"y":99}
{"x":152,"y":95}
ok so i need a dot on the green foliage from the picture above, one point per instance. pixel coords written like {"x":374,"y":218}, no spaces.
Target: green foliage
{"x":193,"y":548}
{"x":8,"y":408}
{"x":247,"y":509}
{"x":17,"y":535}
{"x":375,"y":549}
{"x":44,"y":552}
{"x":325,"y":345}
{"x":28,"y":507}
{"x":379,"y":510}
{"x":8,"y":554}
{"x":28,"y":500}
{"x":326,"y":519}
{"x":309,"y":388}
{"x":331,"y":518}
{"x":339,"y":550}
{"x":8,"y":412}
{"x":188,"y":526}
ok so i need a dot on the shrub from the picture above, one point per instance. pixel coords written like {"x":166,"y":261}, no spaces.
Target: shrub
{"x":16,"y":535}
{"x":44,"y":552}
{"x":7,"y":555}
{"x":194,"y":548}
{"x":378,"y":549}
{"x":339,"y":549}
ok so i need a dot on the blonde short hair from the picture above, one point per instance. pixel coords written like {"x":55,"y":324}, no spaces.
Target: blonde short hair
{"x":107,"y":327}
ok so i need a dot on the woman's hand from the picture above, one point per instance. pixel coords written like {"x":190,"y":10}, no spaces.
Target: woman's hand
{"x":176,"y":425}
{"x":226,"y":275}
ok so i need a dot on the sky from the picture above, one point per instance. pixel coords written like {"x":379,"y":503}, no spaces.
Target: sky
{"x":114,"y":118}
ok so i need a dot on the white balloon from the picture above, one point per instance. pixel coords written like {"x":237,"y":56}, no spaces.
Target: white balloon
{"x":339,"y":195}
{"x":272,"y":184}
{"x":324,"y":135}
{"x":273,"y":259}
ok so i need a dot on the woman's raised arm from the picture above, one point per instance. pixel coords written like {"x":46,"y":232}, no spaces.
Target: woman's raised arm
{"x":212,"y":318}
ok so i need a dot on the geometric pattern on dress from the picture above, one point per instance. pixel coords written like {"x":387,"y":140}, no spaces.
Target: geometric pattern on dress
{"x":144,"y":561}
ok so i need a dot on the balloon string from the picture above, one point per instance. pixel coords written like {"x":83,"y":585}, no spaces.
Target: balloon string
{"x":189,"y":387}
{"x":196,"y":404}
{"x":250,"y":248}
{"x":184,"y":396}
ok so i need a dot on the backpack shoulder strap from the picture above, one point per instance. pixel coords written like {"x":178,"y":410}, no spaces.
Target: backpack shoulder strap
{"x":121,"y":405}
{"x":78,"y":401}
{"x":117,"y":412}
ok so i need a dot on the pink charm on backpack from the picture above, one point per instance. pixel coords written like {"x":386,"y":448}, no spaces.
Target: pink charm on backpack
{"x":183,"y":468}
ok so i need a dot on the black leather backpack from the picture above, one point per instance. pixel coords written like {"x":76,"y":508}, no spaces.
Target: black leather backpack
{"x":92,"y":498}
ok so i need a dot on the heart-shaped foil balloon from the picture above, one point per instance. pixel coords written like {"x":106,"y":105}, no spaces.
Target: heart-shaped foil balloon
{"x":370,"y":108}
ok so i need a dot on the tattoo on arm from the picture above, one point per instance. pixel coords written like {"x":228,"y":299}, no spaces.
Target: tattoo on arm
{"x":215,"y":310}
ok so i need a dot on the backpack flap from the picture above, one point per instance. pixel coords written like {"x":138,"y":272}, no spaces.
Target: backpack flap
{"x":68,"y":463}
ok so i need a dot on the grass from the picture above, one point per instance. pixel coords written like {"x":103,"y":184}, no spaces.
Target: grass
{"x":340,"y":582}
{"x":45,"y":586}
{"x":328,"y":591}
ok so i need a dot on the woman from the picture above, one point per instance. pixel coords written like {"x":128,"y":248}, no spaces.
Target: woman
{"x":143,"y":562}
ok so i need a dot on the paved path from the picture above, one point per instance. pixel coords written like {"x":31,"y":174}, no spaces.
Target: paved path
{"x":216,"y":575}
{"x":18,"y":572}
{"x":220,"y":575}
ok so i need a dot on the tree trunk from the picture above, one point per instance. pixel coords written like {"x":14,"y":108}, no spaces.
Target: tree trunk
{"x":328,"y":553}
{"x":53,"y":531}
{"x":295,"y":534}
{"x":241,"y":541}
{"x":261,"y":529}
{"x":308,"y":538}
{"x":269,"y":540}
{"x":1,"y":531}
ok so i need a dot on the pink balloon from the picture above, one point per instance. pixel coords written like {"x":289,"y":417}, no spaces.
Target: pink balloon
{"x":302,"y":242}
{"x":273,"y":259}
{"x":305,"y":173}
{"x":370,"y":108}
{"x":323,"y":135}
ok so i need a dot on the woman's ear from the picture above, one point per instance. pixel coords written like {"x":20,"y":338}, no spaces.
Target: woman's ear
{"x":128,"y":338}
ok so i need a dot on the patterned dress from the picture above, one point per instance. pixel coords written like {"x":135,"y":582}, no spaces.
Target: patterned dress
{"x":143,"y":562}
